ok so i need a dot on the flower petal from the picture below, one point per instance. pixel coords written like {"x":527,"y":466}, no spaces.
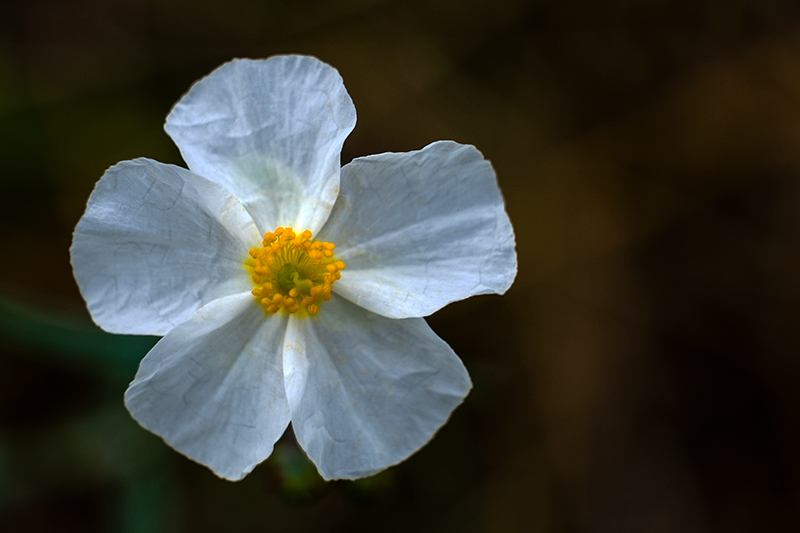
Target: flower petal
{"x":213,"y":386}
{"x":271,"y":132}
{"x":155,"y":244}
{"x":367,"y":391}
{"x":419,"y":230}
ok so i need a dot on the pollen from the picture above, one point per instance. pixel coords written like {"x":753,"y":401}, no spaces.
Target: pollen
{"x":293,"y":274}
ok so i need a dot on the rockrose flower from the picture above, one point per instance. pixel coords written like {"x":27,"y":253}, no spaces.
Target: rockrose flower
{"x":288,"y":289}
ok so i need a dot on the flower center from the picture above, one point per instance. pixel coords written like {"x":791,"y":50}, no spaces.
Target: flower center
{"x":292,"y":273}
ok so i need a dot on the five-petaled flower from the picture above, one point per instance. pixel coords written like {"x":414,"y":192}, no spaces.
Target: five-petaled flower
{"x":288,"y":288}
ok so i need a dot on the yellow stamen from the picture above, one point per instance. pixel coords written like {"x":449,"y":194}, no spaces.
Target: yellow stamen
{"x":292,"y":273}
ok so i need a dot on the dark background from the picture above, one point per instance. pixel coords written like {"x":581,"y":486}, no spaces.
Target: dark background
{"x":641,"y":374}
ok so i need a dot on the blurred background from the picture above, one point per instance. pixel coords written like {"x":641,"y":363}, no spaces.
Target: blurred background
{"x":642,"y":373}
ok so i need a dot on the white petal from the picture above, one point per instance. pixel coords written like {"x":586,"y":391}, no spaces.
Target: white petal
{"x":271,"y":132}
{"x":367,"y":391}
{"x":213,"y":386}
{"x":155,"y":244}
{"x":419,"y":230}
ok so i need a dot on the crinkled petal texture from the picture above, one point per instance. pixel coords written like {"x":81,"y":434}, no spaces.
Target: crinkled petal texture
{"x":155,"y":244}
{"x":367,"y":391}
{"x":213,"y":386}
{"x":271,"y":132}
{"x":419,"y":230}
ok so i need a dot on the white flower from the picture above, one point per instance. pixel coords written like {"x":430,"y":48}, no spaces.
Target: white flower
{"x":193,"y":255}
